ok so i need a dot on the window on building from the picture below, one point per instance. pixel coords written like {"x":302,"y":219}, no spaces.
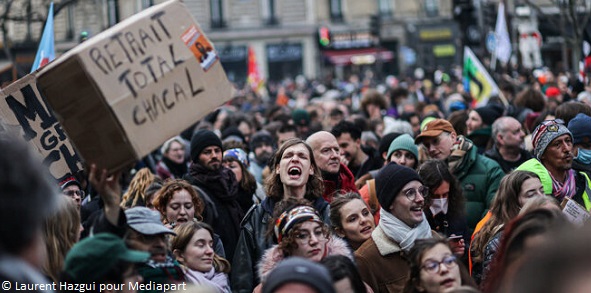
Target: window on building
{"x":385,"y":8}
{"x":70,"y":24}
{"x":270,"y":12}
{"x":146,"y":3}
{"x":432,"y":8}
{"x":113,"y":12}
{"x":336,"y":10}
{"x":217,"y":14}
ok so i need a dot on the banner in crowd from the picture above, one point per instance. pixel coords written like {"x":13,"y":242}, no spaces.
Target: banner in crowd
{"x":24,"y":111}
{"x":477,"y":81}
{"x":122,"y":93}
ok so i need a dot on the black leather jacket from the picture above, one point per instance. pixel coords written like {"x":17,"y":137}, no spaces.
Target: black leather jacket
{"x":253,"y":242}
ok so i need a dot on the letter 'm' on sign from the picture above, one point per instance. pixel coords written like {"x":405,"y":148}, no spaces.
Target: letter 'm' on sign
{"x":23,"y":107}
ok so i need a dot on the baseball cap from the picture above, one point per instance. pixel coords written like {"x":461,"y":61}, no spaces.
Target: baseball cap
{"x":146,"y":221}
{"x":434,"y":129}
{"x":70,"y":180}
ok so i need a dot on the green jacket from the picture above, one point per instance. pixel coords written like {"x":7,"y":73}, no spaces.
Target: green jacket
{"x":479,"y":178}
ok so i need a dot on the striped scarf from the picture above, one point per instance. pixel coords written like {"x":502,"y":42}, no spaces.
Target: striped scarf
{"x":568,"y":188}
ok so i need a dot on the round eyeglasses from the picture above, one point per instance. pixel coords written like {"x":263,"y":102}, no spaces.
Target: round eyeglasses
{"x":433,"y":266}
{"x":411,"y":193}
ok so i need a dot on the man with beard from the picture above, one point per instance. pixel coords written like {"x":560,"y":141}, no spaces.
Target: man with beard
{"x":553,"y":147}
{"x":261,"y":145}
{"x":359,"y":159}
{"x":147,"y":233}
{"x":507,"y":150}
{"x":383,"y":258}
{"x":337,"y":177}
{"x":217,"y":186}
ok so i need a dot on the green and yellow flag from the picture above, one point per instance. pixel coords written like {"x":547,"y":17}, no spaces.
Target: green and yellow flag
{"x":477,"y":81}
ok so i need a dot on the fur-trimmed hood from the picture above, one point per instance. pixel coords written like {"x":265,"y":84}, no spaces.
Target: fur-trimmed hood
{"x":274,"y":255}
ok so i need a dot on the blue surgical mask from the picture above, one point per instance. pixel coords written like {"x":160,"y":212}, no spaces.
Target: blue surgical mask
{"x":584,"y":156}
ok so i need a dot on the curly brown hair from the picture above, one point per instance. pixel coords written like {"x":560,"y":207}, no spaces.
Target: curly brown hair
{"x":273,"y":184}
{"x":170,"y":187}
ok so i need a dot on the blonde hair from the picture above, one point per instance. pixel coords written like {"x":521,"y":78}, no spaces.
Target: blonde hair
{"x":135,"y":194}
{"x":61,"y":232}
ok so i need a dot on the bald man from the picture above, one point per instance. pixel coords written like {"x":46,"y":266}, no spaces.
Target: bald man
{"x":337,"y":177}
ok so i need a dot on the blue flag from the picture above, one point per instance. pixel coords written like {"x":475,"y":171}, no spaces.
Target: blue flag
{"x":46,"y":51}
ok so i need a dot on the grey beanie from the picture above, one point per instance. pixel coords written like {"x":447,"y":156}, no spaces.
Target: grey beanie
{"x":545,"y":133}
{"x":403,"y":142}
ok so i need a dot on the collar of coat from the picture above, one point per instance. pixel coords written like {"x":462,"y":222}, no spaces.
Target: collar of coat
{"x":384,"y":244}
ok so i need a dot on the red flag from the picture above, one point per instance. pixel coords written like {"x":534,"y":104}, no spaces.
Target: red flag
{"x":254,"y":77}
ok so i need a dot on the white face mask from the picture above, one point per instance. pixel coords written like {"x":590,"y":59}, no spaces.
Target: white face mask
{"x":438,"y":205}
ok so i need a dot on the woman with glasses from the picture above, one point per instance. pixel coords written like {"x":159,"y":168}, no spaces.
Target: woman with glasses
{"x":445,"y":211}
{"x":435,"y":269}
{"x":300,"y":232}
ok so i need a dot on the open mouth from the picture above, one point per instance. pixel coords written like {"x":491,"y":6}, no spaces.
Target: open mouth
{"x":448,"y":282}
{"x":365,"y":230}
{"x":417,"y":209}
{"x":158,"y":257}
{"x":294,"y":171}
{"x":182,"y":220}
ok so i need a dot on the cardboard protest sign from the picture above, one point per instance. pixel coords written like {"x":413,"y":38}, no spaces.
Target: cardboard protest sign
{"x":23,"y":109}
{"x":124,"y":92}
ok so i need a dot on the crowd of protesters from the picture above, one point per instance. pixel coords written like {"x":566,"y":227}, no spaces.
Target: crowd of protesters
{"x":361,"y":185}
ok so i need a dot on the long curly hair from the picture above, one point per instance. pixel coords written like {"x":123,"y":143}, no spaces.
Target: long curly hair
{"x":185,"y":232}
{"x":504,"y":207}
{"x":170,"y":187}
{"x":435,"y":172}
{"x":273,"y":184}
{"x":61,"y":231}
{"x":135,"y":194}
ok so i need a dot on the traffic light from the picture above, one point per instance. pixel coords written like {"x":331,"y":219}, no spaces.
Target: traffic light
{"x":375,"y":25}
{"x":324,"y":36}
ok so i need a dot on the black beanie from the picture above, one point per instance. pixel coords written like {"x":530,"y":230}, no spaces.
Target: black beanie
{"x":202,"y":139}
{"x":390,"y":181}
{"x":490,"y":113}
{"x":261,"y":136}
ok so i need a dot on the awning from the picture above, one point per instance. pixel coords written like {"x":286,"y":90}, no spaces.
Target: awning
{"x":358,"y":56}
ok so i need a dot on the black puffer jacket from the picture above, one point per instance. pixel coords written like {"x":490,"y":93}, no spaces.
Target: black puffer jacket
{"x":253,"y":242}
